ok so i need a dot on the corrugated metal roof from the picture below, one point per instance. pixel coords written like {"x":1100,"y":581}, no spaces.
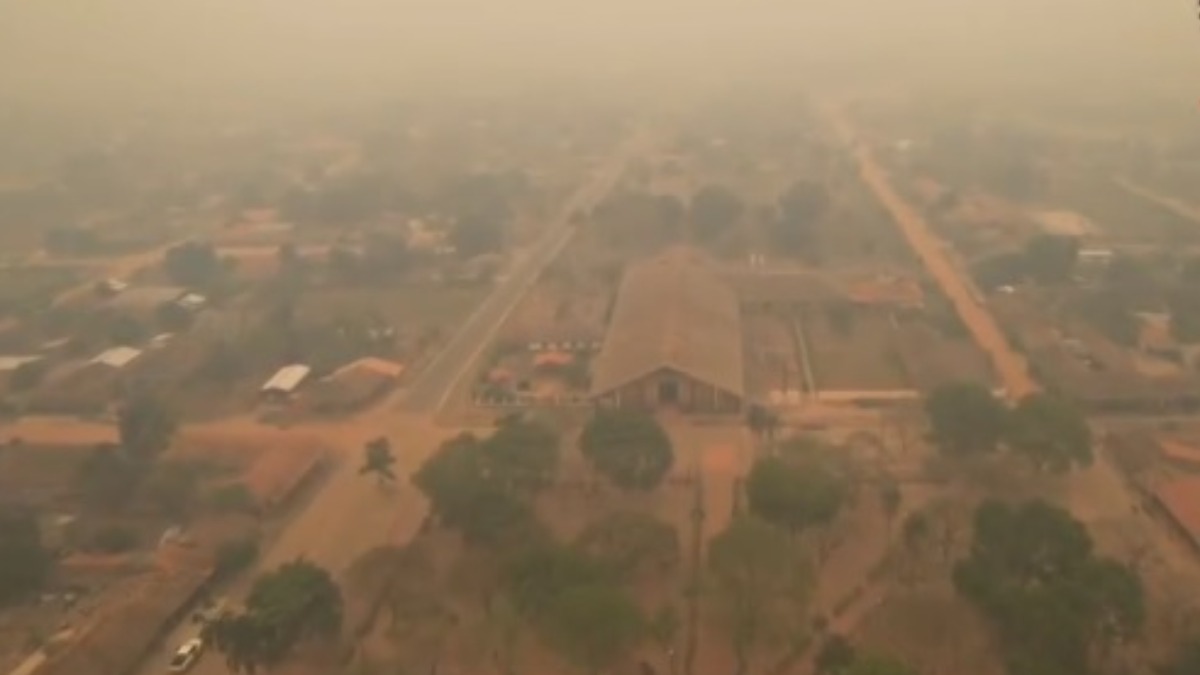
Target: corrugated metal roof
{"x":672,"y":311}
{"x":117,"y":357}
{"x":287,"y":378}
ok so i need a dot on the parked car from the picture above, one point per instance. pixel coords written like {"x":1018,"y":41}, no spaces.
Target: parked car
{"x":186,"y":656}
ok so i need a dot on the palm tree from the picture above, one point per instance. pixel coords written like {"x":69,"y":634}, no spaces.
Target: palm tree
{"x":379,"y":460}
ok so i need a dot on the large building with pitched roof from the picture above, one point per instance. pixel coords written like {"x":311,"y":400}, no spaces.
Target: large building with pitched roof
{"x":674,"y":340}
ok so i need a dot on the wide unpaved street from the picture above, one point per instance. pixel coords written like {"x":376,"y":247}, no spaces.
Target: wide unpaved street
{"x":1010,"y":367}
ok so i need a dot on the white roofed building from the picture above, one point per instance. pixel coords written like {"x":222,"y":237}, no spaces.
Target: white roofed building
{"x":286,"y":380}
{"x":117,"y":357}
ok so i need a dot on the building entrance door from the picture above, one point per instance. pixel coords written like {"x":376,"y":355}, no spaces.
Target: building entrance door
{"x":668,"y":392}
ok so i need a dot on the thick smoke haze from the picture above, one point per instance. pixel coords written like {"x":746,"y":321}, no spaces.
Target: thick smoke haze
{"x":108,"y":51}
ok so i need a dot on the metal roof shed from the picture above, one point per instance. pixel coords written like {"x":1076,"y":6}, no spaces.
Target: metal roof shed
{"x":287,"y":379}
{"x":117,"y":357}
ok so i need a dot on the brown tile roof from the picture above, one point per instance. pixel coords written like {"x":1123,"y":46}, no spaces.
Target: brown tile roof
{"x":1179,"y":451}
{"x":672,"y":311}
{"x":1181,"y":499}
{"x":371,"y":364}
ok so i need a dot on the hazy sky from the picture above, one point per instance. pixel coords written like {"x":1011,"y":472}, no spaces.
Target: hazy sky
{"x":92,"y":48}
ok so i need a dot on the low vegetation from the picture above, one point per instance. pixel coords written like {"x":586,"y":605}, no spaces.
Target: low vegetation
{"x":968,"y":420}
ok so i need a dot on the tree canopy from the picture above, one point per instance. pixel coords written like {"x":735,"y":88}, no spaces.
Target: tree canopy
{"x":107,"y":479}
{"x":379,"y":460}
{"x":800,"y":210}
{"x":479,"y":485}
{"x":1184,"y":306}
{"x":1051,"y":432}
{"x":631,"y":544}
{"x":575,"y":604}
{"x":26,"y":562}
{"x":193,"y":264}
{"x":1033,"y":572}
{"x":145,"y":426}
{"x":1051,"y":258}
{"x":762,"y":584}
{"x":291,"y":605}
{"x":796,"y":493}
{"x":966,"y":418}
{"x":867,"y":663}
{"x":1186,"y":660}
{"x":629,"y":447}
{"x":715,"y":209}
{"x":594,"y":626}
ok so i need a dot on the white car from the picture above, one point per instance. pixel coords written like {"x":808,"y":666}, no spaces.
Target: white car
{"x":186,"y":656}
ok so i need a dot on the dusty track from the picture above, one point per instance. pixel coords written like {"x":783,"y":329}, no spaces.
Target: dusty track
{"x":1010,"y":367}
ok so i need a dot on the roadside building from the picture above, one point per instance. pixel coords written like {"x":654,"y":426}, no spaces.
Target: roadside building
{"x":353,"y":386}
{"x":284,"y":383}
{"x":674,"y":341}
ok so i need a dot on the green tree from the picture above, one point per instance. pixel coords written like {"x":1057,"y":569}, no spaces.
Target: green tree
{"x":379,"y":460}
{"x":835,"y":656}
{"x":1186,"y":660}
{"x":123,"y":329}
{"x":761,"y":584}
{"x":1051,"y":432}
{"x":795,"y":495}
{"x":999,"y":269}
{"x":145,"y":426}
{"x":1033,"y":572}
{"x":107,"y":479}
{"x":628,"y":447}
{"x":631,"y":544}
{"x":1110,"y":314}
{"x":234,"y":556}
{"x":173,"y":488}
{"x":966,"y":419}
{"x":890,"y":498}
{"x":594,"y":626}
{"x":27,"y":563}
{"x":801,"y":208}
{"x":463,"y":492}
{"x":715,"y":209}
{"x":1183,"y":303}
{"x":522,"y":455}
{"x":663,"y":629}
{"x":876,"y":664}
{"x":1050,"y":259}
{"x":291,"y":605}
{"x":193,"y":264}
{"x":538,"y":575}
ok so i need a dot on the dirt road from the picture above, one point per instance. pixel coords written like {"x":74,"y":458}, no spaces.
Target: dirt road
{"x":1010,"y":367}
